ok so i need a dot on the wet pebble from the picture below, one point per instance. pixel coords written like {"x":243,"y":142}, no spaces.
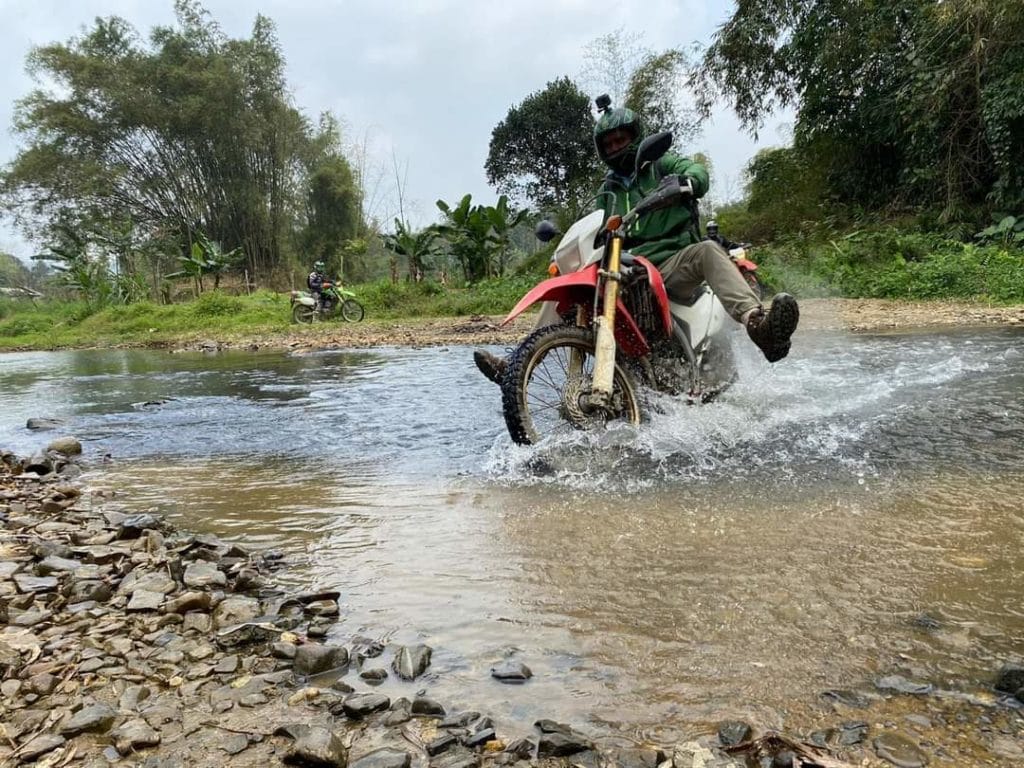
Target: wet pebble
{"x":411,"y":661}
{"x":899,"y":750}
{"x":383,"y":758}
{"x":900,"y":684}
{"x":510,"y":671}
{"x":733,"y":732}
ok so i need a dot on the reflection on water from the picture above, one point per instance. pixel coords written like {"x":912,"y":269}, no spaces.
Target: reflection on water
{"x":850,"y":514}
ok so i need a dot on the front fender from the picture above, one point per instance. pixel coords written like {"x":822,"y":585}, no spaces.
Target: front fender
{"x":572,"y":288}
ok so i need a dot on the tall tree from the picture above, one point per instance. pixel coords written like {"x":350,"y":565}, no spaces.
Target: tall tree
{"x":191,"y":133}
{"x":907,"y":100}
{"x":543,"y":151}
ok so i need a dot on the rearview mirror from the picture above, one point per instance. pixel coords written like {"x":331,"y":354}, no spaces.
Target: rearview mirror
{"x":652,"y":148}
{"x":546,"y":231}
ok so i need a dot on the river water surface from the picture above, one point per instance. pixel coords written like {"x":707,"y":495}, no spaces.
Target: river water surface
{"x":850,"y":513}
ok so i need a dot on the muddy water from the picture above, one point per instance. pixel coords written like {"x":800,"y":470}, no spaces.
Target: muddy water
{"x":852,"y":513}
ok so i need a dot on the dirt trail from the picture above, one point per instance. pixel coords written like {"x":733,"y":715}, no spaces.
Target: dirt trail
{"x":855,"y":315}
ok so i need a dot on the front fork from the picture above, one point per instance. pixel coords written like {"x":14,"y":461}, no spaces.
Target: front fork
{"x":604,"y":352}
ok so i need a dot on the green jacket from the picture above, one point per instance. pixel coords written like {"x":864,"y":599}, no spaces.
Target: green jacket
{"x":659,"y":234}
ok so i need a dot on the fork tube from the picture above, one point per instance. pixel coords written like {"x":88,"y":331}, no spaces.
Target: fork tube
{"x":604,"y":354}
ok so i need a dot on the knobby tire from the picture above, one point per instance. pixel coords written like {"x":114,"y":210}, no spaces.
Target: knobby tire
{"x":531,"y":390}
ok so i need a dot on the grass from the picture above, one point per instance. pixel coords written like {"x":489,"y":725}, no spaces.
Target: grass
{"x":885,"y":262}
{"x":56,"y":324}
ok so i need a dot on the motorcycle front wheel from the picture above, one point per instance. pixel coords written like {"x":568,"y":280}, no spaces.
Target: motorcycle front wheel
{"x":302,"y":313}
{"x":549,"y":376}
{"x":352,"y":310}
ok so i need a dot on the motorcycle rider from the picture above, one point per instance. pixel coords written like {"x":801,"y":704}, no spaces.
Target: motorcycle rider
{"x":670,"y":239}
{"x":315,"y":281}
{"x":715,"y":237}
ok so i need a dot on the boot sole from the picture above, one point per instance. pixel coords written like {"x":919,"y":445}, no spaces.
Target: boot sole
{"x":783,"y":318}
{"x":487,"y":369}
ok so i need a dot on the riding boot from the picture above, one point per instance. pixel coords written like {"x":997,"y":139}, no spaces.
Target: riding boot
{"x":491,"y":366}
{"x":770,"y":330}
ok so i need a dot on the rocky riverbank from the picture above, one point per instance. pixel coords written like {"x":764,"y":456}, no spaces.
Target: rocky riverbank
{"x":126,"y":642}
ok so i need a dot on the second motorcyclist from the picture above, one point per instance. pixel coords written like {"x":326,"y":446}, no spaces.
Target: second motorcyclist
{"x":316,"y":281}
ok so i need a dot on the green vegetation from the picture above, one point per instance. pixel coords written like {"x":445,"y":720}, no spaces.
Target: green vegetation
{"x":45,"y":324}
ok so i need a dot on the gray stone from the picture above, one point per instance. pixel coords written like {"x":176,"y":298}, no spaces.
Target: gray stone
{"x":144,"y":600}
{"x":233,"y":743}
{"x":511,"y":672}
{"x":900,"y":684}
{"x":317,"y":747}
{"x":1010,"y":678}
{"x":374,"y":676}
{"x":68,"y":446}
{"x":134,"y":526}
{"x":561,"y":745}
{"x":283,"y":650}
{"x":411,"y":661}
{"x":152,"y":582}
{"x":900,"y":751}
{"x":39,"y":746}
{"x":363,"y":704}
{"x":227,"y":665}
{"x":33,"y":584}
{"x":133,"y":696}
{"x":235,"y":610}
{"x":456,"y":758}
{"x":421,"y":705}
{"x":200,"y":575}
{"x":54,"y":564}
{"x":442,"y":743}
{"x":189,"y":601}
{"x":42,"y":424}
{"x":733,"y":732}
{"x":135,"y":735}
{"x":312,"y":658}
{"x":459,"y":720}
{"x":95,"y":718}
{"x":41,"y":684}
{"x":479,"y":738}
{"x":640,"y":757}
{"x":199,"y":622}
{"x":383,"y":758}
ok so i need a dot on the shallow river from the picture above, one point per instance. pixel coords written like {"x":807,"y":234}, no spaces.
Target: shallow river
{"x":850,"y":513}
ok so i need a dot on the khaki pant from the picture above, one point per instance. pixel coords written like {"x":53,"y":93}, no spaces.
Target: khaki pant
{"x":683,"y":273}
{"x":706,"y":261}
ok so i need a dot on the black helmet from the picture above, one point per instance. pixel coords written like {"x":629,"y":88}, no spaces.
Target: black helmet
{"x":624,"y":161}
{"x":712,"y":227}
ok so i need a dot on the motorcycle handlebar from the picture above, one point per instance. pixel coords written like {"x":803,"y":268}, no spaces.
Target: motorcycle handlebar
{"x":669,"y":192}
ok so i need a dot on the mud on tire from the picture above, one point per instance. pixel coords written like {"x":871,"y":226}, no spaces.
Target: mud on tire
{"x":535,"y":391}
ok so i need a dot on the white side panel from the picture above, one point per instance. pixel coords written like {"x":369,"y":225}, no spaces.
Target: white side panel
{"x":576,"y":250}
{"x":705,"y":318}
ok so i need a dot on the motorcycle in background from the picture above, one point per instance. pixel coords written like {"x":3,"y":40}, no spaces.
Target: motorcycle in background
{"x":334,"y":301}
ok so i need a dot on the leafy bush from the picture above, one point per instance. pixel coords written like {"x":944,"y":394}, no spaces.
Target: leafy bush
{"x":892,"y":263}
{"x":216,"y":304}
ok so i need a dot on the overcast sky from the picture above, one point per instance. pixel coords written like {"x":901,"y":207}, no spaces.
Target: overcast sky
{"x":425,"y":79}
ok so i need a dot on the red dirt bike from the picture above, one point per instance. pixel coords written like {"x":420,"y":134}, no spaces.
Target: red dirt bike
{"x":613,"y":328}
{"x":747,"y":268}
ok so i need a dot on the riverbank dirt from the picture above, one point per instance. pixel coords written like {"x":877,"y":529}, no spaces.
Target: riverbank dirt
{"x":853,"y":315}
